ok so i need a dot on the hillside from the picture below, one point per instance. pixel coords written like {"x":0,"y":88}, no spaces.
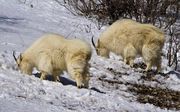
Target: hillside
{"x":114,"y":86}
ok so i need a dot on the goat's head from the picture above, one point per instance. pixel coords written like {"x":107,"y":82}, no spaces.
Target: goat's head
{"x":18,"y":60}
{"x":100,"y":48}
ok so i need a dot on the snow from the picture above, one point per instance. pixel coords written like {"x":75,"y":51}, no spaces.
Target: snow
{"x":20,"y":25}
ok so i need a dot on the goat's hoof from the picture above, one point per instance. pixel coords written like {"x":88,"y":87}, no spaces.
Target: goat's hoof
{"x":80,"y":86}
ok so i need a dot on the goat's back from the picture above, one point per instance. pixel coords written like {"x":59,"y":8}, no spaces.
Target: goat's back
{"x":46,"y":42}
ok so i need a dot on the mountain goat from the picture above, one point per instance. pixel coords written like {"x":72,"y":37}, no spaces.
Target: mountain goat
{"x":129,"y":38}
{"x":52,"y":54}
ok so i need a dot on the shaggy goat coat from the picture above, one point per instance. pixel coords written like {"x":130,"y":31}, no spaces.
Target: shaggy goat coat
{"x":52,"y":54}
{"x":129,"y":38}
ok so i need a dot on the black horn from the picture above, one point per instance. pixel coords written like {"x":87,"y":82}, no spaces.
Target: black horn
{"x":14,"y":56}
{"x":93,"y":42}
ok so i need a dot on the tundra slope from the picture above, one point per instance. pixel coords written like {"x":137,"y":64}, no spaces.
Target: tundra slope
{"x":19,"y":93}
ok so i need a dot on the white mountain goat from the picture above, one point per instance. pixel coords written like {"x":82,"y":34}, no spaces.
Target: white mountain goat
{"x":128,"y":39}
{"x":52,"y":54}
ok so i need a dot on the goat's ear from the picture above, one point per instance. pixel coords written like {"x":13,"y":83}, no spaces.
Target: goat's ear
{"x":14,"y":56}
{"x":20,"y":57}
{"x":98,"y":43}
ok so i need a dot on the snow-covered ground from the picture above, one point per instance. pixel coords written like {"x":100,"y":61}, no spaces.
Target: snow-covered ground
{"x":111,"y":79}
